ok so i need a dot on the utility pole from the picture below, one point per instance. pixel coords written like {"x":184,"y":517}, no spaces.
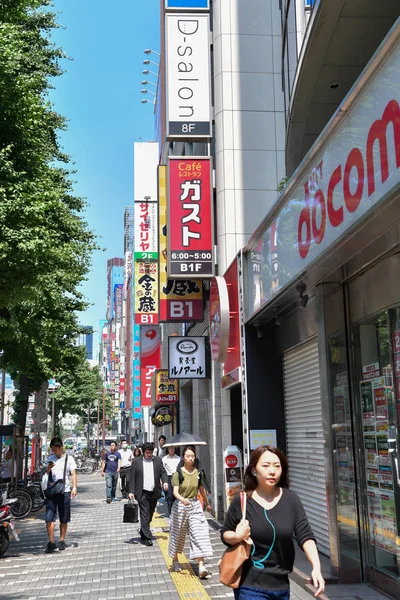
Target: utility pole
{"x":3,"y":396}
{"x":88,"y":430}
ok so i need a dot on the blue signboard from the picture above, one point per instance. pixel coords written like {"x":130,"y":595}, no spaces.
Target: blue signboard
{"x":187,"y":4}
{"x":136,"y":407}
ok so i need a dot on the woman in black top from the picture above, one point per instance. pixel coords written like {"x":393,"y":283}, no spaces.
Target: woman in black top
{"x":274,"y":514}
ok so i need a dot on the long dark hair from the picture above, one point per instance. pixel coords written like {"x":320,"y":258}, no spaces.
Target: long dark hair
{"x":250,"y":482}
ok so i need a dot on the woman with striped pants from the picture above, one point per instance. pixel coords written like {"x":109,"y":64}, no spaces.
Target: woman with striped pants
{"x":187,"y":514}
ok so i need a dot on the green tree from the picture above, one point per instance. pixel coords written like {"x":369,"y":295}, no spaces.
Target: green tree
{"x":45,"y":245}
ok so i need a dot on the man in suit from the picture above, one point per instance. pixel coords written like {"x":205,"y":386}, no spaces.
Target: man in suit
{"x":145,"y":477}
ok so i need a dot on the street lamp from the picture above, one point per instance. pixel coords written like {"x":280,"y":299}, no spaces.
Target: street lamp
{"x":148,"y":62}
{"x":147,"y":71}
{"x":146,"y":101}
{"x":145,"y":91}
{"x":146,"y":82}
{"x":149,"y":51}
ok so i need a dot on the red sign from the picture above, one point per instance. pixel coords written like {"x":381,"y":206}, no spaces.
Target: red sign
{"x":350,"y":179}
{"x":231,"y":461}
{"x":232,"y":362}
{"x":150,"y":344}
{"x":190,"y":223}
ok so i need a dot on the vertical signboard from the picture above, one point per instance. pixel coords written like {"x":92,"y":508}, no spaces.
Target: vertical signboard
{"x":180,"y":300}
{"x":180,"y":5}
{"x":150,"y":354}
{"x":136,"y":411}
{"x":187,"y":60}
{"x":190,"y":231}
{"x":146,"y":292}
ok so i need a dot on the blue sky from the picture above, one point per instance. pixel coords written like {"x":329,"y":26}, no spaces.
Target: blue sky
{"x":100,"y":96}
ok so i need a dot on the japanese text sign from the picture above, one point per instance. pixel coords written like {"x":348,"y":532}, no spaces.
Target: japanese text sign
{"x":167,"y":389}
{"x":146,"y":242}
{"x":187,"y":358}
{"x":136,"y":372}
{"x":150,"y":344}
{"x":180,"y":300}
{"x":146,"y":292}
{"x":190,"y":219}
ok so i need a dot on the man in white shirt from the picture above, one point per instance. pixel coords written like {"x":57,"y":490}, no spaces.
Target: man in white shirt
{"x":160,"y":450}
{"x":60,"y":502}
{"x":7,"y":468}
{"x":126,"y":460}
{"x":170,"y":462}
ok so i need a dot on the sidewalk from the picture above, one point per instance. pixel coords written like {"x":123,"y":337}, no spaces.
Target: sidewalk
{"x":105,"y":560}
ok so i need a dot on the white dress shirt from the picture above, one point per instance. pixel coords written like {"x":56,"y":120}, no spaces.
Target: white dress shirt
{"x":126,"y":457}
{"x":171,"y":463}
{"x":148,"y":475}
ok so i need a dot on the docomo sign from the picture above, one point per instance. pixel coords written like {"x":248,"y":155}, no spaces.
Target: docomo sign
{"x":353,"y":167}
{"x":348,"y":185}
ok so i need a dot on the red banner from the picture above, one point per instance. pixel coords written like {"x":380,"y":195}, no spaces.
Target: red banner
{"x":150,"y":345}
{"x":190,"y":223}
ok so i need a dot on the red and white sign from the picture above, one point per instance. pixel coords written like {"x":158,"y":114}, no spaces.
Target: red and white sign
{"x":352,"y":169}
{"x":371,"y":371}
{"x":146,"y":239}
{"x":219,"y":319}
{"x":150,"y":346}
{"x":232,"y":364}
{"x":190,"y":222}
{"x":231,"y":461}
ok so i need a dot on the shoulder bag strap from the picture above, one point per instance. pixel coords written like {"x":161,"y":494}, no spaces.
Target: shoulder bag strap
{"x":243,"y":504}
{"x":65,"y":467}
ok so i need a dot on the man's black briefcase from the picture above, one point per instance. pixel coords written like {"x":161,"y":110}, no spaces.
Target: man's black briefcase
{"x":131,"y":512}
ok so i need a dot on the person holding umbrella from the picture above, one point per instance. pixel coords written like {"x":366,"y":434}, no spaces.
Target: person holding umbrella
{"x":187,"y":514}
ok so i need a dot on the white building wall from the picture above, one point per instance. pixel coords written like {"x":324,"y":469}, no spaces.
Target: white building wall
{"x":145,"y":170}
{"x":249,"y":118}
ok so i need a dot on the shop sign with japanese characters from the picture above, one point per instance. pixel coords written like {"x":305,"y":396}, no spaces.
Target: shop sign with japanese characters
{"x":150,"y":344}
{"x":146,"y":243}
{"x":136,"y":413}
{"x":167,"y":390}
{"x":187,"y":357}
{"x":146,"y":292}
{"x":180,"y":300}
{"x":190,"y":219}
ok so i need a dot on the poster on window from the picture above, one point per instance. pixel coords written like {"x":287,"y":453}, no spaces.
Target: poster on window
{"x":367,"y":403}
{"x":190,"y":218}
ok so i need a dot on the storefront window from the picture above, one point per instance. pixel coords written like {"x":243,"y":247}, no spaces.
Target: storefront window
{"x":375,"y":345}
{"x":343,"y":451}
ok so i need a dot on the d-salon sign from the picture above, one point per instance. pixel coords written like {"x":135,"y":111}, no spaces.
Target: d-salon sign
{"x":187,"y":60}
{"x":355,"y":168}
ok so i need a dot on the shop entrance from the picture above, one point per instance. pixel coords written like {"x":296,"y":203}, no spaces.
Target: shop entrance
{"x":364,"y":391}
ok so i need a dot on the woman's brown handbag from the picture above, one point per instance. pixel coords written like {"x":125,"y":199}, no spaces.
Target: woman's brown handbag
{"x":231,"y":563}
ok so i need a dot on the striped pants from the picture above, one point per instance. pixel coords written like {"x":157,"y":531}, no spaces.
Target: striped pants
{"x":189,"y":518}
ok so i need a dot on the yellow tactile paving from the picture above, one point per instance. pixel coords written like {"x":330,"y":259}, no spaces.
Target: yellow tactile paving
{"x":187,"y":584}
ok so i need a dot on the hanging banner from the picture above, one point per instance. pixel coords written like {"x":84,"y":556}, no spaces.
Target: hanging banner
{"x":180,"y":300}
{"x":150,"y":359}
{"x":167,"y":390}
{"x":146,"y":292}
{"x":190,"y":232}
{"x":187,"y":357}
{"x":187,"y":61}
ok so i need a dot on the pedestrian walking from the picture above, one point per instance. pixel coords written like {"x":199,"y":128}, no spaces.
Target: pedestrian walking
{"x":274,"y":514}
{"x":8,"y":468}
{"x":146,"y":475}
{"x":187,"y":514}
{"x":126,"y":460}
{"x":111,"y":469}
{"x":137,"y":452}
{"x":171,"y":461}
{"x":60,"y":503}
{"x":160,"y":450}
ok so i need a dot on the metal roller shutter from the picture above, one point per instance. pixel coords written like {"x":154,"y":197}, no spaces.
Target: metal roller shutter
{"x":304,"y":435}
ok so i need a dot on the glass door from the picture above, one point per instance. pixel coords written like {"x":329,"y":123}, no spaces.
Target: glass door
{"x":376,"y":352}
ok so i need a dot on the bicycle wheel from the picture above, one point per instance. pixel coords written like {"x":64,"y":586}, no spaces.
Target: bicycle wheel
{"x":88,"y":468}
{"x":23,"y":507}
{"x":38,"y":498}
